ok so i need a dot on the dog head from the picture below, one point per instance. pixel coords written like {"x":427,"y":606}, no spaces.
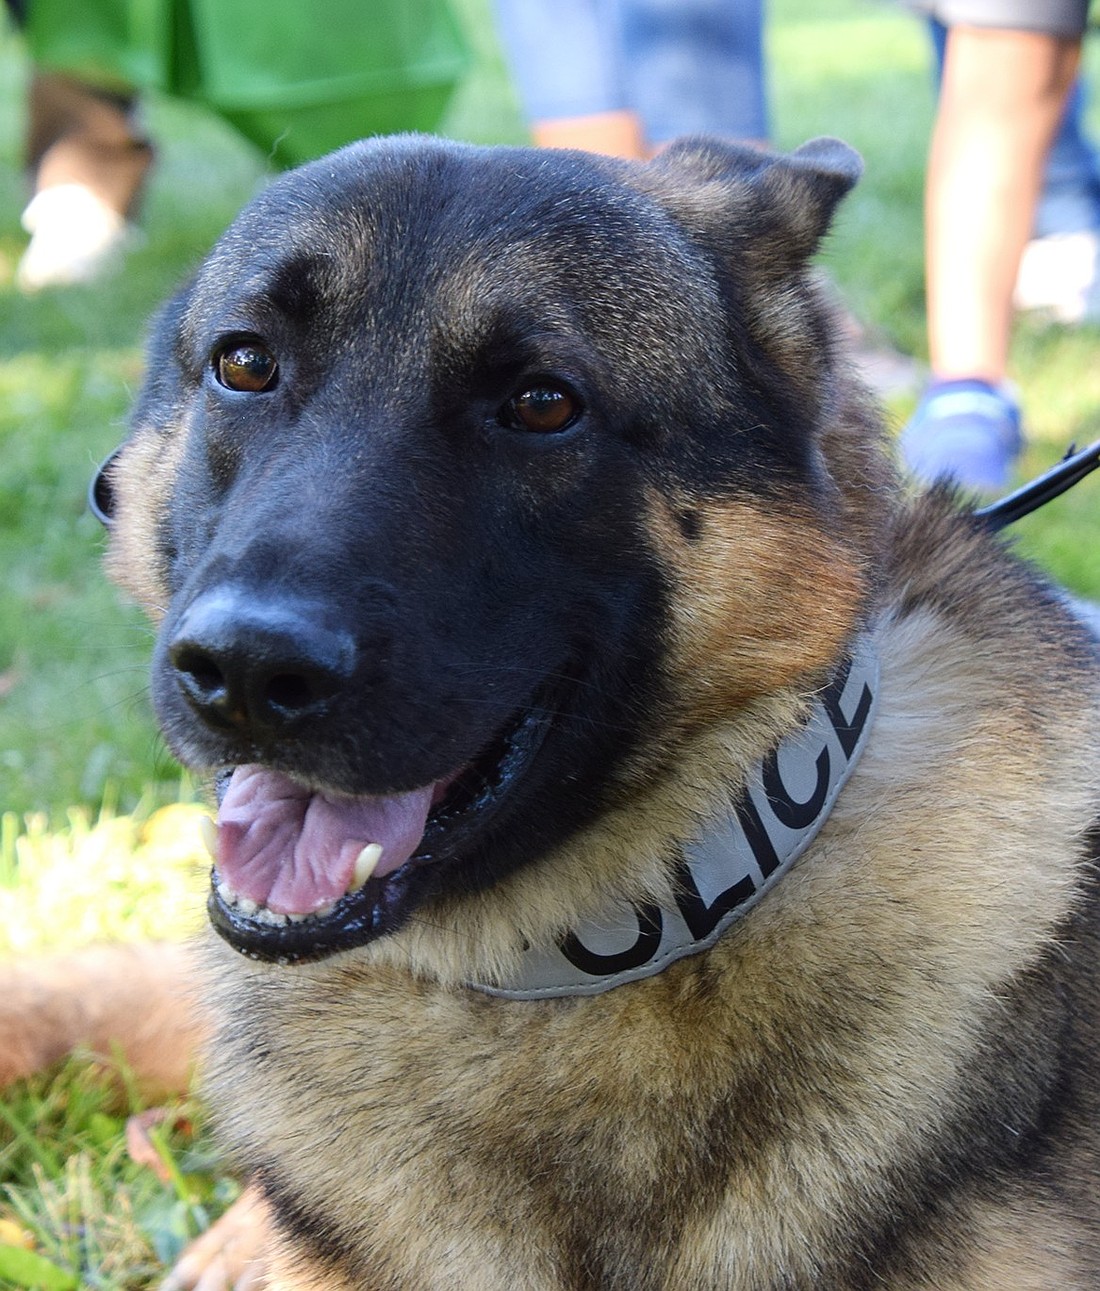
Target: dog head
{"x":465,"y":484}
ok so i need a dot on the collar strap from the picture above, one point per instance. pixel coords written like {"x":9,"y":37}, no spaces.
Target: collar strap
{"x":735,"y":861}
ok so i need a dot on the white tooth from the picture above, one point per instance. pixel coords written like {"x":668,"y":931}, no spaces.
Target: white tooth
{"x":365,"y":865}
{"x":208,"y":832}
{"x":247,"y":906}
{"x":227,"y":894}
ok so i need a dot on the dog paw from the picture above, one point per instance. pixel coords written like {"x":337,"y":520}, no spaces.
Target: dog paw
{"x":231,"y":1254}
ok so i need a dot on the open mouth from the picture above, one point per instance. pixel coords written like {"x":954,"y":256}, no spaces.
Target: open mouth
{"x":300,"y":874}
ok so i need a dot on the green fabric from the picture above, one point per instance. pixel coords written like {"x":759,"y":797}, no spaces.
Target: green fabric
{"x":298,"y":78}
{"x":115,"y":44}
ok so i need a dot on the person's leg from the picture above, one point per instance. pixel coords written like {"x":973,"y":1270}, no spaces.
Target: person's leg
{"x":695,"y":67}
{"x":564,"y":56}
{"x":1001,"y":102}
{"x":1002,"y":98}
{"x":616,"y":134}
{"x":621,"y":76}
{"x":1059,"y":272}
{"x":1070,"y":199}
{"x":87,"y":164}
{"x":80,"y":135}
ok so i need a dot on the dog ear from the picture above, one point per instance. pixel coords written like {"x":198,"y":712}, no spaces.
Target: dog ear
{"x":773,"y":208}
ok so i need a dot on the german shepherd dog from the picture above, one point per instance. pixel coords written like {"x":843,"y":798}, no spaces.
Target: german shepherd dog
{"x":654,"y":850}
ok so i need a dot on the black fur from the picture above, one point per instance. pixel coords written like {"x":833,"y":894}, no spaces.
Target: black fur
{"x":486,"y":574}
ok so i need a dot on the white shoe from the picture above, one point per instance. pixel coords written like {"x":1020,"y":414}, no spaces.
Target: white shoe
{"x":1060,"y":274}
{"x":75,"y":238}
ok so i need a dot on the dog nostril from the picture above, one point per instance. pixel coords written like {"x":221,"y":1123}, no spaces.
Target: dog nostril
{"x":258,"y":666}
{"x":290,"y":693}
{"x":204,"y":677}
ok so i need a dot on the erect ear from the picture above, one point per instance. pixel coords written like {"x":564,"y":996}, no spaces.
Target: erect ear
{"x":775,"y":208}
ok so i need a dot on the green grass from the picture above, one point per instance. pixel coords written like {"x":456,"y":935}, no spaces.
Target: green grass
{"x":86,"y":850}
{"x":81,"y":1211}
{"x":74,"y":719}
{"x":75,"y":1207}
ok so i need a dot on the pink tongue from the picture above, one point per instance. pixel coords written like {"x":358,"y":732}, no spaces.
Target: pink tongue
{"x":294,"y":851}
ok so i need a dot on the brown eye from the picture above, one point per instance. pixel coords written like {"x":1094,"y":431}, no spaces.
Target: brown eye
{"x":247,"y":366}
{"x":544,"y":409}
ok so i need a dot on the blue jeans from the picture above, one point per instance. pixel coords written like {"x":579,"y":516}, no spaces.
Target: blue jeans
{"x":684,"y":66}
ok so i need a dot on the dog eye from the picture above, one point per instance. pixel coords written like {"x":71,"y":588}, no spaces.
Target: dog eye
{"x":544,"y":409}
{"x":247,"y":366}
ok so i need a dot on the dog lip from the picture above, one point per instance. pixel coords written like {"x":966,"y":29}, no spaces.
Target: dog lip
{"x":383,"y":904}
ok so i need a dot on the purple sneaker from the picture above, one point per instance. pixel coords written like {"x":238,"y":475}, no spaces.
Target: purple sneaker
{"x":967,"y":430}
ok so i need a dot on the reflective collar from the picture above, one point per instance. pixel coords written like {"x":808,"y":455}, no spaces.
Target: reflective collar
{"x":736,"y":860}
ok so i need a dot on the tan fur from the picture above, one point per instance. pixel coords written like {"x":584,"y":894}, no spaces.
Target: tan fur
{"x":901,"y":924}
{"x":748,"y":577}
{"x":1025,"y":1247}
{"x":142,"y":480}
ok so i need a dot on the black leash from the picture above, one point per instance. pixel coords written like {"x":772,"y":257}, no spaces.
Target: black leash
{"x":1045,"y":488}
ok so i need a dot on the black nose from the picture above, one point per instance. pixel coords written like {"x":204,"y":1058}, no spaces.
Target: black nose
{"x":258,"y":666}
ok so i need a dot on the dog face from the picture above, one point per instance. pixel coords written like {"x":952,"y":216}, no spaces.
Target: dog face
{"x":458,"y":475}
